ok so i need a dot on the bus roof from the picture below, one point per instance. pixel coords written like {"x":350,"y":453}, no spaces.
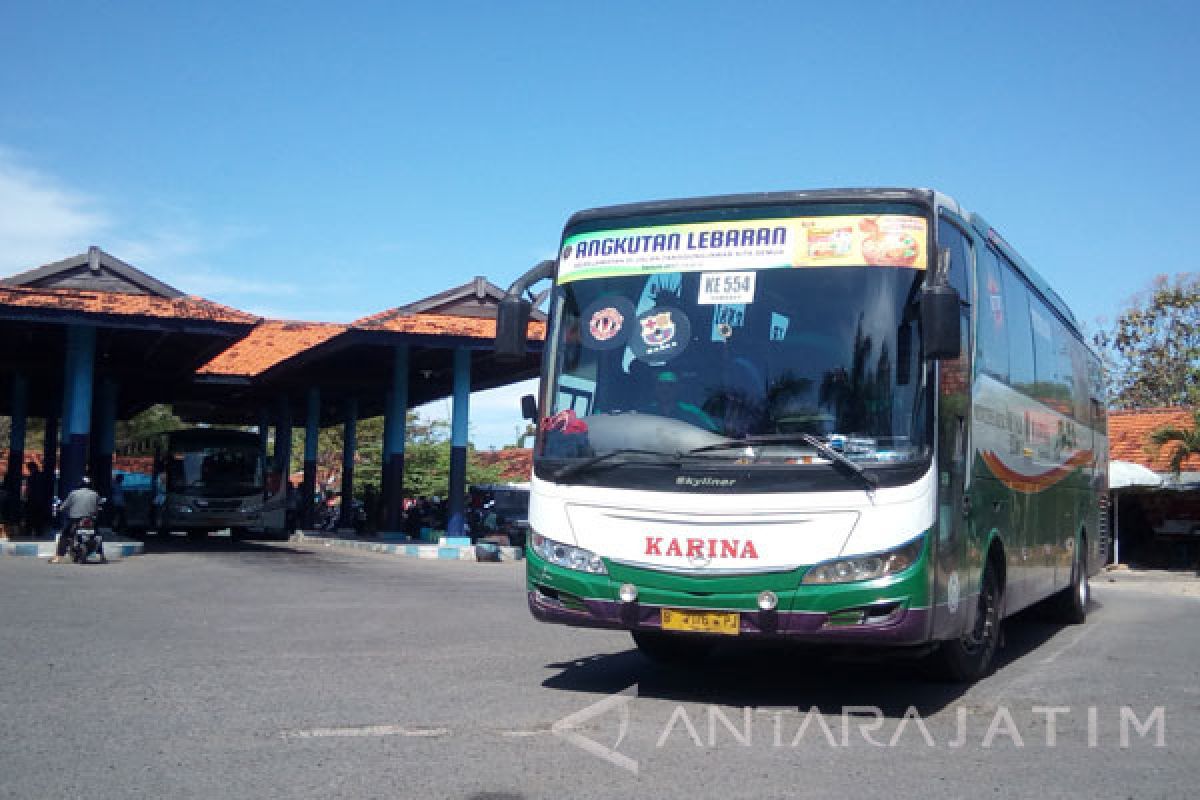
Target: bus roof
{"x":993,"y":236}
{"x":890,"y":195}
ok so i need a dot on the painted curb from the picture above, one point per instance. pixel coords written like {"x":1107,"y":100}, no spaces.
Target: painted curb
{"x":45,"y":549}
{"x":406,"y":549}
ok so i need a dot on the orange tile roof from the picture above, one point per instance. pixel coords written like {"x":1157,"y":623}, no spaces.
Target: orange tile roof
{"x":271,"y":342}
{"x":274,"y":341}
{"x":439,"y":325}
{"x":122,"y":304}
{"x":1129,"y":436}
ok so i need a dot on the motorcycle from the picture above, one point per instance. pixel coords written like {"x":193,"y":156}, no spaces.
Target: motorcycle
{"x":86,"y":541}
{"x":330,"y":519}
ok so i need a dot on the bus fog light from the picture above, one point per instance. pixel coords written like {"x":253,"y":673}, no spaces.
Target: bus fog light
{"x":767,"y":601}
{"x":628,"y":593}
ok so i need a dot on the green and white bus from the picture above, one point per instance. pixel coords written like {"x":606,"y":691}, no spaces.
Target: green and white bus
{"x":853,"y":417}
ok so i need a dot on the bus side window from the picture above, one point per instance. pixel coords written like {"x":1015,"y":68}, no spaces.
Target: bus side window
{"x":991,"y":319}
{"x":1020,"y":337}
{"x":952,"y":237}
{"x":1048,"y":341}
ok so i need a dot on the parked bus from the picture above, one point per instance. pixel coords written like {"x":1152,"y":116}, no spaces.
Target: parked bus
{"x":854,"y":417}
{"x":212,"y":479}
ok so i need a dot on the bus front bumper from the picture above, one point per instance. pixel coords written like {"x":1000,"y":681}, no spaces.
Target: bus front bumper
{"x":902,"y":626}
{"x":891,"y":611}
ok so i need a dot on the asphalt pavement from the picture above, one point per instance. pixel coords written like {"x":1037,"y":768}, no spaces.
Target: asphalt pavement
{"x":225,"y":670}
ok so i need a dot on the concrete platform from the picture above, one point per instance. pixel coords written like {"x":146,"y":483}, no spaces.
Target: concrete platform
{"x":403,"y":548}
{"x":44,"y":548}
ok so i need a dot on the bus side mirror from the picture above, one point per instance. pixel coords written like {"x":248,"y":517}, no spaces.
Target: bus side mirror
{"x":529,"y":408}
{"x":941,"y":322}
{"x":512,"y":321}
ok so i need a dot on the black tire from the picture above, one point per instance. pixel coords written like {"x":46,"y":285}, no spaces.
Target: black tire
{"x":973,"y":655}
{"x":1070,"y":606}
{"x":672,"y":649}
{"x":239,"y":534}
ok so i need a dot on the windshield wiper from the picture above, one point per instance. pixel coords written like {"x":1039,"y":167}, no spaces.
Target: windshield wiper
{"x":836,"y":458}
{"x":665,"y":459}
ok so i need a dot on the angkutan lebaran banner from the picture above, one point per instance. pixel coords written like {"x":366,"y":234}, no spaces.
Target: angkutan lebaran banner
{"x":883,"y":240}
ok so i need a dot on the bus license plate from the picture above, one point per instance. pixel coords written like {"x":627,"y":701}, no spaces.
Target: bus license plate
{"x":728,"y":623}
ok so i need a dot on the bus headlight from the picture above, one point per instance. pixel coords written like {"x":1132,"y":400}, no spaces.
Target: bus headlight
{"x":565,"y":555}
{"x":865,"y":568}
{"x":181,"y":509}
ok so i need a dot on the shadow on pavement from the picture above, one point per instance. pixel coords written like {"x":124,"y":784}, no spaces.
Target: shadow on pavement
{"x":779,"y":674}
{"x":159,"y":544}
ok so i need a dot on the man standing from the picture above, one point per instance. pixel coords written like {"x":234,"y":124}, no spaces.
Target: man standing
{"x":37,"y":500}
{"x":80,"y":503}
{"x":118,"y":502}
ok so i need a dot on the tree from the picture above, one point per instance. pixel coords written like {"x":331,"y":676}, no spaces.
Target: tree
{"x":427,"y":459}
{"x":153,"y":420}
{"x":1153,"y":348}
{"x":426,"y":456}
{"x":1186,"y":441}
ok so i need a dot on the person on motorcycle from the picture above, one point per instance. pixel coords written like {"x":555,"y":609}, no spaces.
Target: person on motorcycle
{"x":83,"y":502}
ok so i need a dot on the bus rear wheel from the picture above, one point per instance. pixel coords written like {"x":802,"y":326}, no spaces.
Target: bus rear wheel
{"x":972,"y":655}
{"x":1070,"y":606}
{"x":672,"y":649}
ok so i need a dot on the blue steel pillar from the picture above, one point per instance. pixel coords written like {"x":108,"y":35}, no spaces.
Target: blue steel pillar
{"x":50,"y":458}
{"x":19,"y":407}
{"x":106,"y":436}
{"x":283,"y":440}
{"x":77,"y":413}
{"x":283,"y":459}
{"x":393,"y":441}
{"x":349,"y":445}
{"x":312,"y":432}
{"x":458,"y":440}
{"x":385,"y":471}
{"x":264,"y":431}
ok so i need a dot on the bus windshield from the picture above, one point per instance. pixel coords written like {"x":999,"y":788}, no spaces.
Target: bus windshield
{"x":695,"y":360}
{"x":215,"y":471}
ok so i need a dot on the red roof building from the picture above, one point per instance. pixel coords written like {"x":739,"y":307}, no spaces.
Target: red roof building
{"x":1129,"y":437}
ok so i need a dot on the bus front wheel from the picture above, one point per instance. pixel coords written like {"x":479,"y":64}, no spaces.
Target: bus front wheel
{"x":972,"y":655}
{"x":672,"y":649}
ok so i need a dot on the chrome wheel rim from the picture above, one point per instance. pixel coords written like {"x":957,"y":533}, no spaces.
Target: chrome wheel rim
{"x":985,"y":622}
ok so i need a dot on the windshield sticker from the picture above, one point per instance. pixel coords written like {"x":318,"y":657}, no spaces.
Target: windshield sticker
{"x":662,"y":334}
{"x":607,"y":322}
{"x":726,"y":287}
{"x":884,"y":240}
{"x":889,"y":245}
{"x":725,"y":319}
{"x":779,"y":326}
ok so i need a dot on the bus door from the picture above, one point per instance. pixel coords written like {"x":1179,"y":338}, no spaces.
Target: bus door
{"x":953,"y":581}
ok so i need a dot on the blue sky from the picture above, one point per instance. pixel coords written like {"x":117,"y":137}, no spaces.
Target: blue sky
{"x":322,"y":161}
